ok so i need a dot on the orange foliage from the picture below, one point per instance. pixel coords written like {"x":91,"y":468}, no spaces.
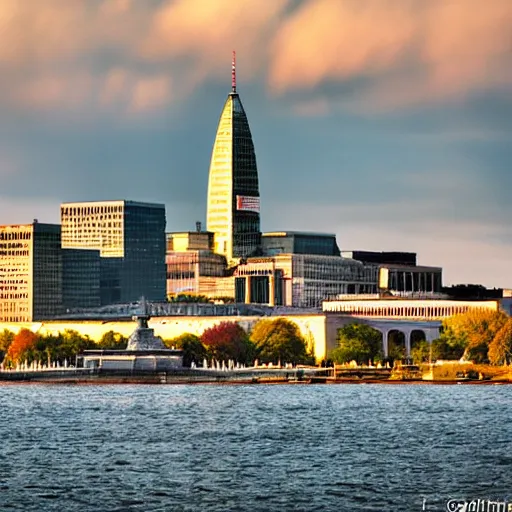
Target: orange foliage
{"x":21,"y":345}
{"x":500,"y":349}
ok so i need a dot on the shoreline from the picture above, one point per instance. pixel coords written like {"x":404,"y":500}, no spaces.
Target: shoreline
{"x":156,"y":380}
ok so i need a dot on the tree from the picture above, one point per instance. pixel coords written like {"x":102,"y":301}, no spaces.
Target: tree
{"x":473,"y":332}
{"x":73,"y":343}
{"x":396,"y":345}
{"x":420,"y":352}
{"x":113,"y":341}
{"x":193,"y":349}
{"x":357,"y":342}
{"x":500,"y":348}
{"x":228,"y":340}
{"x":188,"y":298}
{"x":6,"y":338}
{"x":22,"y":347}
{"x":279,"y":340}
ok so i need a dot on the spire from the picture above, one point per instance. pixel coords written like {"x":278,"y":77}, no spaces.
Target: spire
{"x":233,"y":72}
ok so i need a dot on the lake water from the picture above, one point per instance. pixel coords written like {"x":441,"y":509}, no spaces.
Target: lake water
{"x":253,"y":448}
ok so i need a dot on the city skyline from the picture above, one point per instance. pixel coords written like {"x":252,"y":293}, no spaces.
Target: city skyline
{"x":388,"y":125}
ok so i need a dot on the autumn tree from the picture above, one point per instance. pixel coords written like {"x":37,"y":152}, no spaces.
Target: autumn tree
{"x":279,"y":340}
{"x":193,"y":349}
{"x":357,"y":342}
{"x":113,"y":341}
{"x":500,"y":348}
{"x":22,"y":347}
{"x":472,"y":332}
{"x":228,"y":340}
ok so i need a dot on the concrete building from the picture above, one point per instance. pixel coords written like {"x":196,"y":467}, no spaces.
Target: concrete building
{"x":233,"y":205}
{"x":30,"y":272}
{"x":300,"y":280}
{"x":407,"y":316}
{"x":398,"y":271}
{"x":130,"y":237}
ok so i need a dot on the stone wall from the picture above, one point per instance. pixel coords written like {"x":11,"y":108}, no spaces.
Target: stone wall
{"x":313,"y":327}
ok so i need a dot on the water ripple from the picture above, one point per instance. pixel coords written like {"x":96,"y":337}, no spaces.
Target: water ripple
{"x":252,"y":448}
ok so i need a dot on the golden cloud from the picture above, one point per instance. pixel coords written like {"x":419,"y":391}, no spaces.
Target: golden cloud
{"x":407,"y":51}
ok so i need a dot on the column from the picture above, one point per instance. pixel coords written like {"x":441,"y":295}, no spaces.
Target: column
{"x":271,"y":290}
{"x":247,"y":289}
{"x":408,"y":335}
{"x":385,"y":342}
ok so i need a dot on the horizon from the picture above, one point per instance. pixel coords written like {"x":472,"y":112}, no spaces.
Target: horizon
{"x":387,"y":126}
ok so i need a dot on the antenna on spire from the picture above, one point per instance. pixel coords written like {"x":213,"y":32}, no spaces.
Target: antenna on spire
{"x":233,"y":72}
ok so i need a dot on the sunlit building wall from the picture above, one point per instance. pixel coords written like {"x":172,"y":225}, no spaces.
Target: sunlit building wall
{"x":233,"y":205}
{"x":301,"y":280}
{"x":198,"y":273}
{"x":30,"y":272}
{"x":131,"y":239}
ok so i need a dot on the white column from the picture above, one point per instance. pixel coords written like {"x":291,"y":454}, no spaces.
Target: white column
{"x":385,"y":335}
{"x":407,"y":335}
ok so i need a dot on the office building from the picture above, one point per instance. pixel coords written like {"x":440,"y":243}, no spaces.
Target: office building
{"x":233,"y":204}
{"x":130,"y":237}
{"x":30,"y":272}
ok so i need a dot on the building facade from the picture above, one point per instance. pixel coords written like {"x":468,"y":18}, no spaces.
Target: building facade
{"x":130,"y":238}
{"x":297,"y":242}
{"x":233,"y":203}
{"x":301,"y":280}
{"x":80,"y":279}
{"x":30,"y":272}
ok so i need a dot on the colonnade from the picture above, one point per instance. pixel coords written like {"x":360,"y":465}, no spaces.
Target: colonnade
{"x":398,"y":309}
{"x":430,"y":335}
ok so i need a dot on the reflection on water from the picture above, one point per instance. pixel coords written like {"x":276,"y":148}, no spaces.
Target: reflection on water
{"x":194,"y":448}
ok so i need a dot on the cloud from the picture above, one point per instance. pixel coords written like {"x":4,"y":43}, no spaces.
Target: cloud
{"x":199,"y":36}
{"x":407,"y":51}
{"x":150,"y":93}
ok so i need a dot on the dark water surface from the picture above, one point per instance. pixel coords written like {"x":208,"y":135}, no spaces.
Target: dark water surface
{"x":252,"y":448}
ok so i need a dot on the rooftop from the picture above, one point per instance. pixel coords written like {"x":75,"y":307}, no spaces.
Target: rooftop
{"x":298,"y":233}
{"x":114,"y":201}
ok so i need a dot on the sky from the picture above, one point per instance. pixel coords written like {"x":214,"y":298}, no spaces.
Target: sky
{"x":387,"y":122}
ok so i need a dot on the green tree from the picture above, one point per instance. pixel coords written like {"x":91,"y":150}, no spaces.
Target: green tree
{"x":113,"y":341}
{"x":6,"y":338}
{"x":420,"y":352}
{"x":193,"y":349}
{"x":279,"y":340}
{"x":396,"y":345}
{"x":73,"y":344}
{"x":357,"y":342}
{"x":226,"y":341}
{"x":188,"y":298}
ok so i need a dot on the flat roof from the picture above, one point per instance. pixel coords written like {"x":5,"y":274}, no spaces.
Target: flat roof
{"x":30,"y":225}
{"x":299,"y":233}
{"x":113,"y":201}
{"x":175,"y":233}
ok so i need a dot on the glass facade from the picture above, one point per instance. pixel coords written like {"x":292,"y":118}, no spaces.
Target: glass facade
{"x":291,"y":242}
{"x":80,"y":279}
{"x":131,"y":239}
{"x":233,"y":206}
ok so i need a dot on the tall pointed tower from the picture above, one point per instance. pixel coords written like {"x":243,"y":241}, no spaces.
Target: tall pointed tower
{"x":233,"y":209}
